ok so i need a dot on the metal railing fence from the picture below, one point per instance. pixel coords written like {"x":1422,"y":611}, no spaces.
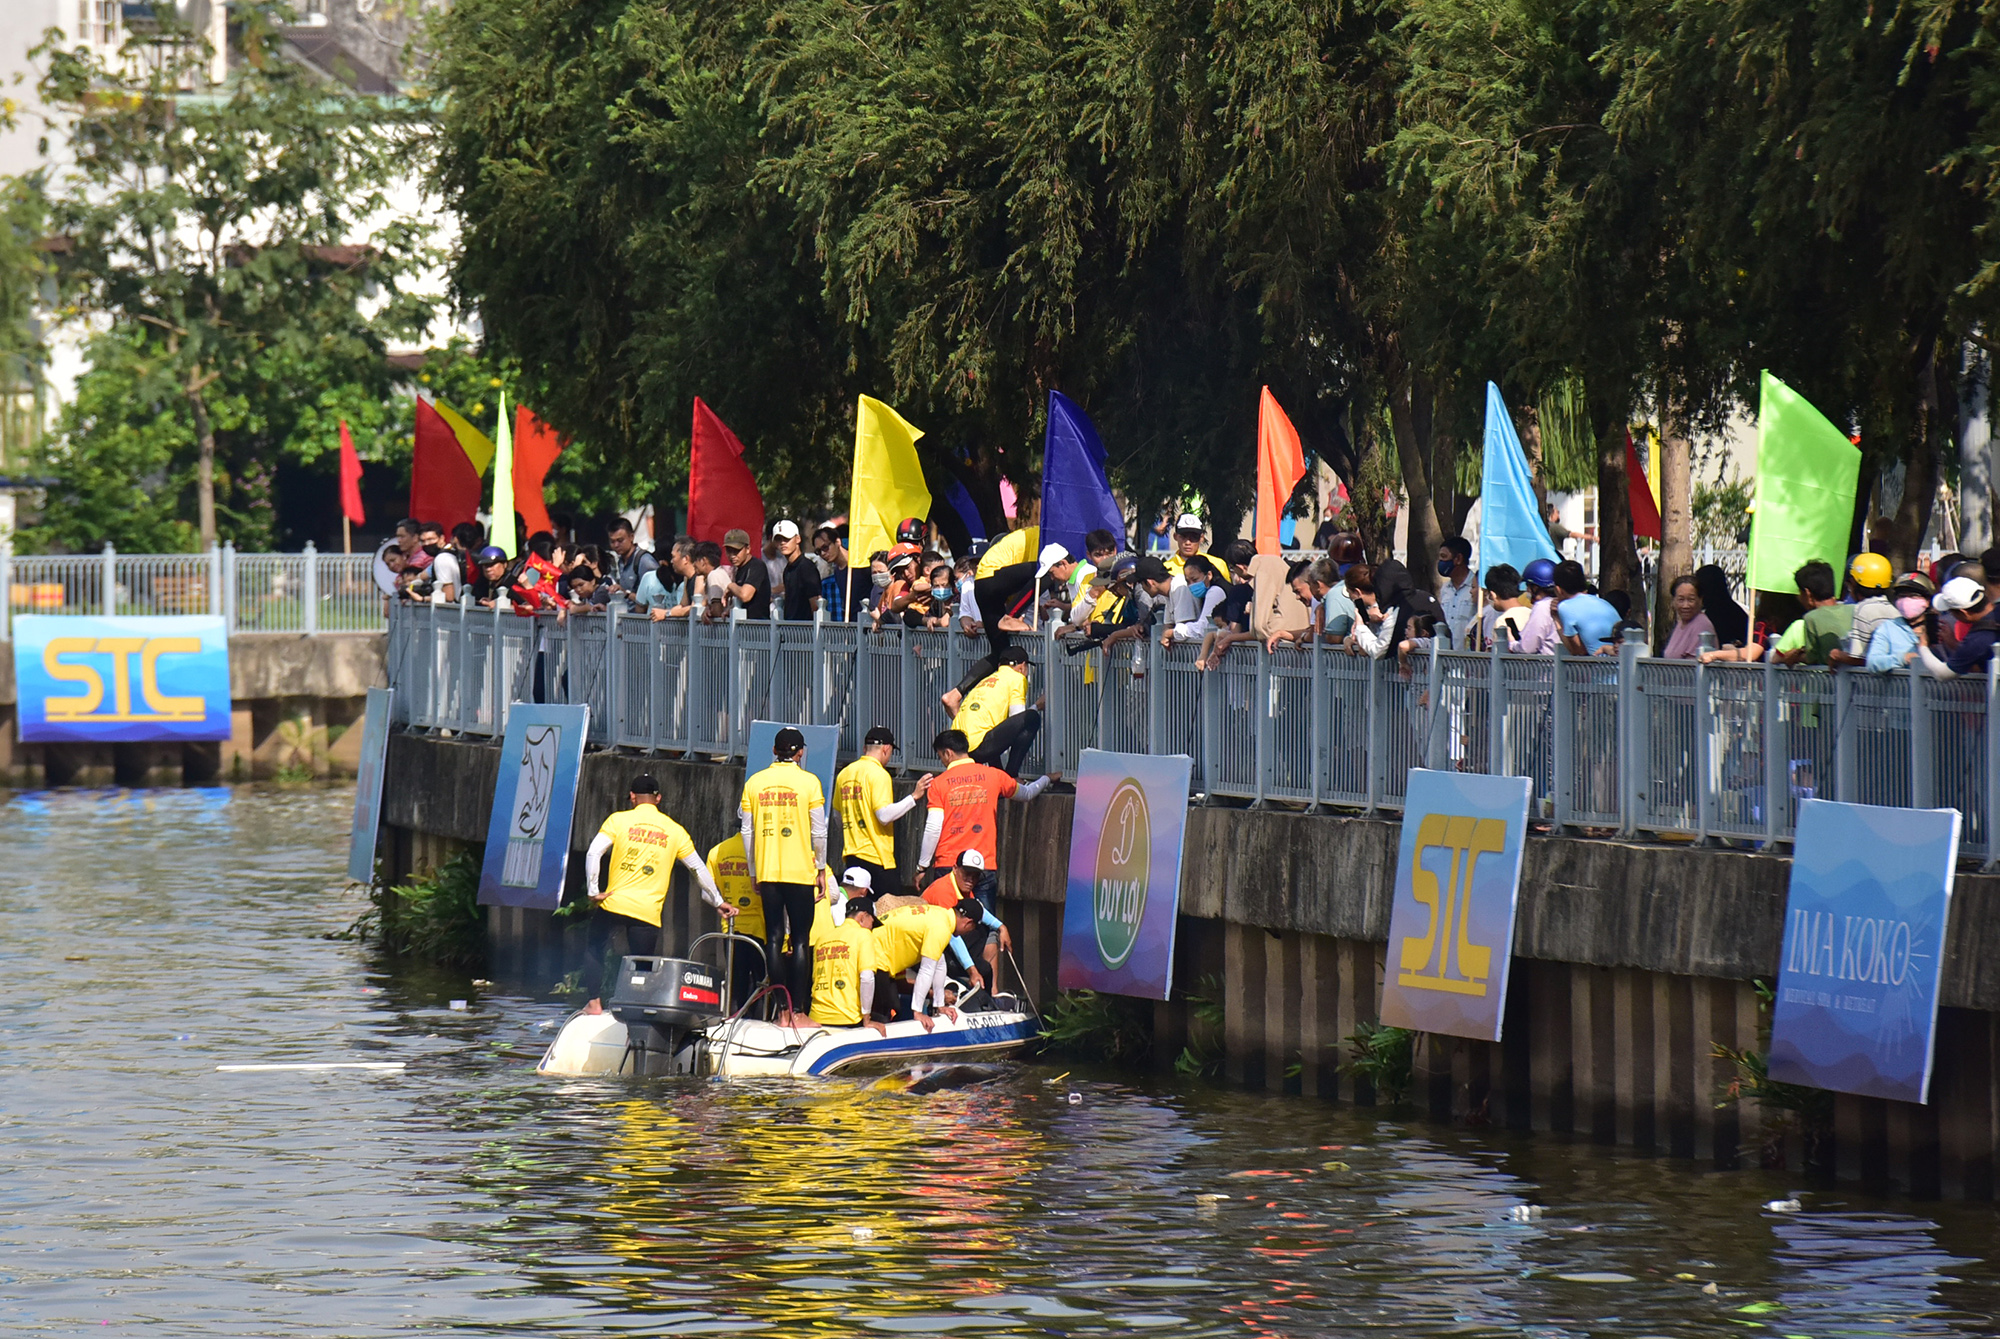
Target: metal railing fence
{"x":255,"y":592}
{"x":1619,"y":744}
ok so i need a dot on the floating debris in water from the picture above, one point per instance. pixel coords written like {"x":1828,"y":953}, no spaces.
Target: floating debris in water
{"x":1210,"y":1198}
{"x":1602,"y":1277}
{"x":78,"y":957}
{"x":1336,"y":1166}
{"x":1685,"y":1278}
{"x":1058,"y":1078}
{"x":458,"y":1005}
{"x":863,"y":1233}
{"x":1526,"y":1213}
{"x":1711,"y":1289}
{"x":478,"y":982}
{"x":1784,"y":1206}
{"x":1076,"y":1099}
{"x":184,"y":1036}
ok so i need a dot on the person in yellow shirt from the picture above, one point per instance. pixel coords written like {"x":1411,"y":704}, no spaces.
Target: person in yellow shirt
{"x":1187,"y":543}
{"x":864,"y":799}
{"x":1006,"y":601}
{"x":731,"y":872}
{"x":844,"y":957}
{"x":643,"y":844}
{"x":917,"y":936}
{"x":783,"y":813}
{"x":995,"y":716}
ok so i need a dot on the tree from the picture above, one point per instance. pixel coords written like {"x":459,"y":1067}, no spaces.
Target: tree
{"x":215,"y":234}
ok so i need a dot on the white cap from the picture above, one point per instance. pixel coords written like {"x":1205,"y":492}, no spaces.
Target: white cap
{"x":971,"y":859}
{"x":1958,"y":593}
{"x":1051,"y":555}
{"x":785,"y":530}
{"x":857,"y":877}
{"x":1188,"y":521}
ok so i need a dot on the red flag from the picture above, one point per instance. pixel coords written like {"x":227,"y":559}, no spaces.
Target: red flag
{"x":1281,"y":463}
{"x":1645,"y":512}
{"x":722,"y":494}
{"x":350,"y":477}
{"x":444,"y":486}
{"x":536,"y":447}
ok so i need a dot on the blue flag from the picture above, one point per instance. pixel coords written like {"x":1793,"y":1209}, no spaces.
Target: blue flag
{"x":961,"y":502}
{"x":1510,"y":527}
{"x":1076,"y":496}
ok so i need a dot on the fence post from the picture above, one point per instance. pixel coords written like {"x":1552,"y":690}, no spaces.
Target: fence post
{"x":1055,"y":737}
{"x":468,"y":711}
{"x":1378,"y":727}
{"x":1562,"y":730}
{"x":1436,"y":751}
{"x":906,"y":690}
{"x":309,"y":589}
{"x":1921,"y":796}
{"x":1704,"y":726}
{"x":1317,"y":758}
{"x":1632,"y":770}
{"x":1496,"y":711}
{"x":1845,"y":763}
{"x":1774,"y":751}
{"x":1992,"y":765}
{"x":7,"y":589}
{"x":228,"y":586}
{"x":816,"y":689}
{"x":110,"y":580}
{"x":614,"y":701}
{"x":214,"y":578}
{"x":1156,"y":702}
{"x":733,"y":687}
{"x":1261,"y":717}
{"x":501,"y":691}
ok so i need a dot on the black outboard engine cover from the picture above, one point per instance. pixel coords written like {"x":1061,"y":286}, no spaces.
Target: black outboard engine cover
{"x":671,"y":993}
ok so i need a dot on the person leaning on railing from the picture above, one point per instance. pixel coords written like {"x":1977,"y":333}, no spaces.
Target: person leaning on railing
{"x":1894,"y":643}
{"x":1968,"y":602}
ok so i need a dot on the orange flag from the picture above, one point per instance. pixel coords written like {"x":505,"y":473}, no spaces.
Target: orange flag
{"x":536,"y":447}
{"x":1281,"y":463}
{"x":350,"y":478}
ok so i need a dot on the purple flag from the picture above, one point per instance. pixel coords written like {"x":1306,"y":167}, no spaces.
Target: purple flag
{"x":1076,"y":496}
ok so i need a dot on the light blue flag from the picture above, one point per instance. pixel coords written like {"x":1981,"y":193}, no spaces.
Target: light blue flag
{"x":1076,"y":495}
{"x":1510,"y":529}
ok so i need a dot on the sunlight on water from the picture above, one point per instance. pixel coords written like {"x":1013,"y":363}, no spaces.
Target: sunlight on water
{"x":146,"y":937}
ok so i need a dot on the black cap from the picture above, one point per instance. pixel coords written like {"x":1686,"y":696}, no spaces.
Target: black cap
{"x":971,"y":908}
{"x":644,"y":784}
{"x":790,"y":740}
{"x":879,"y":734}
{"x":1012,"y":655}
{"x":857,"y":905}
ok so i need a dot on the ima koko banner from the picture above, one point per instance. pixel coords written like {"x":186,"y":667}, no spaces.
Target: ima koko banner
{"x":85,"y":679}
{"x":1857,"y":996}
{"x":1123,"y":899}
{"x":527,"y":839}
{"x":1451,"y":927}
{"x":822,"y":751}
{"x":368,"y":784}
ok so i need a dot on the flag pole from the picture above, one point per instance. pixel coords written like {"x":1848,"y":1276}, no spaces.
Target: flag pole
{"x":346,"y":534}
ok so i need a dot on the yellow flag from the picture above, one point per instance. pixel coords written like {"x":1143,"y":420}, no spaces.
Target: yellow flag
{"x":478,"y":447}
{"x":888,"y":481}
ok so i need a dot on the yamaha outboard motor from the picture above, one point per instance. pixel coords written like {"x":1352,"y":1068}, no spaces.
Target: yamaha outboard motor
{"x":660,"y":1001}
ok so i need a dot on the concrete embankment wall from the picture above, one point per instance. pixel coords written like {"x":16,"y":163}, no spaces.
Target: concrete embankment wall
{"x":293,"y":698}
{"x":1633,"y":961}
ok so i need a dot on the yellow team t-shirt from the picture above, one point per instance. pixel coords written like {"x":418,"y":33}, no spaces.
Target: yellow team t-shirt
{"x":1176,"y":564}
{"x":780,"y":800}
{"x":908,"y":935}
{"x":990,"y":703}
{"x":731,"y":873}
{"x":862,"y":787}
{"x":645,"y":843}
{"x":841,"y":953}
{"x":1016,"y":546}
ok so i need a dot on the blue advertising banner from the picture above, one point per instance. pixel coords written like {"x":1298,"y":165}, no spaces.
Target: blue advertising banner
{"x":822,"y":751}
{"x":85,"y":679}
{"x":527,"y":839}
{"x":1857,"y":996}
{"x":368,"y":785}
{"x":1123,"y":900}
{"x":1451,"y":927}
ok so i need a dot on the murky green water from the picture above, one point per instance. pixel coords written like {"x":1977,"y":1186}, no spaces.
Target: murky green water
{"x":147,"y":937}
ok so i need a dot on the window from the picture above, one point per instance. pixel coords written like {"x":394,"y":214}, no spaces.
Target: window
{"x":97,"y":21}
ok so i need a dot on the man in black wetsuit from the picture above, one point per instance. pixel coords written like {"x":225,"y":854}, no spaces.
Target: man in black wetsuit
{"x":1001,"y":598}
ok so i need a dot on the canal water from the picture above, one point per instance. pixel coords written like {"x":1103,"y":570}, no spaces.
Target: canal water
{"x":148,"y":937}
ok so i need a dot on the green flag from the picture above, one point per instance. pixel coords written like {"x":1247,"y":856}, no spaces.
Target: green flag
{"x":503,"y":484}
{"x":1807,"y":472}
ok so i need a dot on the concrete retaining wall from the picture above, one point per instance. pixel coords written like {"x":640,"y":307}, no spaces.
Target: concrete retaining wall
{"x":293,"y":698}
{"x":1633,"y":962}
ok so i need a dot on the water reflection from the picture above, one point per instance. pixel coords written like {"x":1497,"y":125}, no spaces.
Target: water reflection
{"x":146,"y":937}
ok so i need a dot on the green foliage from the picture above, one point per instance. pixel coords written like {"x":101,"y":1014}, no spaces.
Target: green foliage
{"x":1785,"y":1109}
{"x":1385,"y":1057}
{"x":1721,"y":511}
{"x":1203,"y":1055}
{"x":1092,"y":1026}
{"x":432,"y":916}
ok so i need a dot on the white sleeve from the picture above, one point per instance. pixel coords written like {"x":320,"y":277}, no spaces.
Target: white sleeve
{"x":1030,"y":789}
{"x":1016,"y":708}
{"x":867,"y":994}
{"x":600,"y":846}
{"x":818,"y":821}
{"x":889,"y":813}
{"x":749,"y":844}
{"x":931,"y":978}
{"x":709,"y":892}
{"x":1373,"y":644}
{"x":933,"y":829}
{"x":1931,"y":662}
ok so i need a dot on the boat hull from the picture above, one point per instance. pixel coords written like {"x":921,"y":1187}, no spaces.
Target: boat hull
{"x":596,"y":1044}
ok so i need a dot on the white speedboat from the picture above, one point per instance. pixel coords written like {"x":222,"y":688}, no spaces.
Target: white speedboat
{"x":673,"y":1016}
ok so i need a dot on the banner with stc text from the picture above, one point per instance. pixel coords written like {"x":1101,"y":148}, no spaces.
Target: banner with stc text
{"x":1451,"y":926}
{"x":85,"y":679}
{"x":1124,"y":894}
{"x":1857,"y":994}
{"x":534,"y":803}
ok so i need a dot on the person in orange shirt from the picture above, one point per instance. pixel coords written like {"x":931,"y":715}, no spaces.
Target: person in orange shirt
{"x":988,"y":938}
{"x":964,"y":812}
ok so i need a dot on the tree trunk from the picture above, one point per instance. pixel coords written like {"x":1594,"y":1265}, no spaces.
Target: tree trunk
{"x":204,"y":475}
{"x":1676,"y":519}
{"x":1617,"y":554}
{"x":1424,"y":534}
{"x":1975,"y":452}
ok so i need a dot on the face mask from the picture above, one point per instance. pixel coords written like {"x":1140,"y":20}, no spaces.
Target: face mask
{"x":940,"y":592}
{"x":881,"y":579}
{"x":1197,"y":589}
{"x":1444,"y":567}
{"x":1911,"y":607}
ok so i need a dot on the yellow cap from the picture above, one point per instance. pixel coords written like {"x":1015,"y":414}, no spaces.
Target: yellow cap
{"x":1871,"y":571}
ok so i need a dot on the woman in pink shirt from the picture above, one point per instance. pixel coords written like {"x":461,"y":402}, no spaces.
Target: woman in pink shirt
{"x":1684,"y":642}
